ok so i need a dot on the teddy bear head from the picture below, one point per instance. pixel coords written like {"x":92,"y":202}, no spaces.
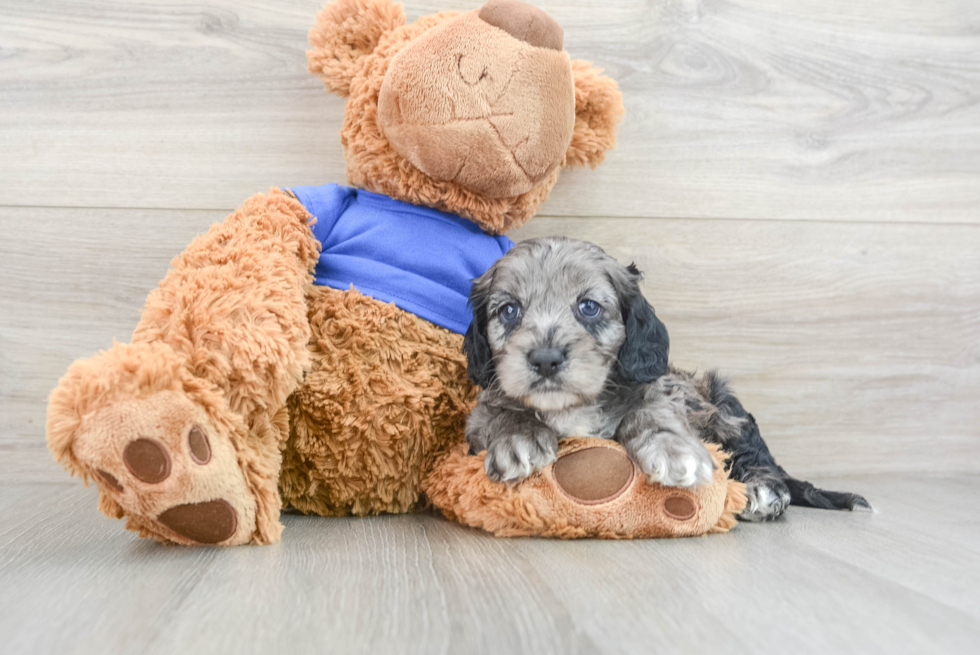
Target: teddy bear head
{"x":474,"y":113}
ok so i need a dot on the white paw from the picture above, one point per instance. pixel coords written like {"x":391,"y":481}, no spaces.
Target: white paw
{"x":764,"y":501}
{"x":511,"y":459}
{"x":674,"y":461}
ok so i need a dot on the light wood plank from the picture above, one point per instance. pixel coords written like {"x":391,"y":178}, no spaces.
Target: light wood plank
{"x":919,"y":522}
{"x":72,"y":581}
{"x":855,"y":345}
{"x":819,"y":109}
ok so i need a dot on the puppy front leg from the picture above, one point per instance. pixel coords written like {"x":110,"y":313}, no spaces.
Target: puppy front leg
{"x":665,"y":449}
{"x":517,"y":443}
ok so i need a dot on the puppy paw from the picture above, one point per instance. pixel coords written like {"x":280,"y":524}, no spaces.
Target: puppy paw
{"x":672,"y":460}
{"x":511,"y":458}
{"x":766,"y":500}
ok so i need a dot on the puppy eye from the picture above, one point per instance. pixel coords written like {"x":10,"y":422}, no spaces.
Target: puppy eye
{"x":509,"y":312}
{"x":589,"y":308}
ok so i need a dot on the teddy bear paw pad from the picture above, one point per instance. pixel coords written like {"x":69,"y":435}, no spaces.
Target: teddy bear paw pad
{"x":594,"y":475}
{"x":198,"y":445}
{"x":680,"y":508}
{"x":148,"y":460}
{"x":206,"y":523}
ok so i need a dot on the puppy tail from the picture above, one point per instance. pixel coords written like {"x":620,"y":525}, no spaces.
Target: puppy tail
{"x":804,"y":494}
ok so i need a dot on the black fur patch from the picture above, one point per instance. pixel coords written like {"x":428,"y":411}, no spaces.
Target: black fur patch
{"x":476,"y":343}
{"x":643,"y":357}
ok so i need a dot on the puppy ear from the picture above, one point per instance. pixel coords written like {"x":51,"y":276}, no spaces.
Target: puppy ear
{"x":643,"y":356}
{"x":344,"y":32}
{"x":598,"y":110}
{"x":476,"y":343}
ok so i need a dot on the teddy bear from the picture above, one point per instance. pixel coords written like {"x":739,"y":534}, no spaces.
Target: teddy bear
{"x":305,"y":354}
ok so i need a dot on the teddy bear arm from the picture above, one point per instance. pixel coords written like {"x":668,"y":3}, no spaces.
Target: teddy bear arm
{"x":182,"y":427}
{"x":233,"y":304}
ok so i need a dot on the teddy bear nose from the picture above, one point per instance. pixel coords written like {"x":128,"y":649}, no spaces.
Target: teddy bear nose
{"x":524,"y":22}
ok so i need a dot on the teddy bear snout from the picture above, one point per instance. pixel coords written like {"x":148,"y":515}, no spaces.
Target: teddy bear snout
{"x":524,"y":22}
{"x":468,"y":103}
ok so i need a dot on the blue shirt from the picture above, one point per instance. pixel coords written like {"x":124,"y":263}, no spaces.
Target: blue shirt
{"x":421,"y":259}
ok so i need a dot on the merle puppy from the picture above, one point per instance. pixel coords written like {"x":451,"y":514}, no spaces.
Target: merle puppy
{"x":564,"y":344}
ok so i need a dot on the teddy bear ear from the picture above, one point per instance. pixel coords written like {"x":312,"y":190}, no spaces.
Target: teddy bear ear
{"x":598,"y":110}
{"x":344,"y":32}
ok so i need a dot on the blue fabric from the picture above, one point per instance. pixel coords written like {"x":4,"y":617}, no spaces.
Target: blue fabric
{"x":421,"y":259}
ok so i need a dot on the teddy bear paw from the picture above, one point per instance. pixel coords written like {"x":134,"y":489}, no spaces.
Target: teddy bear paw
{"x":169,"y":468}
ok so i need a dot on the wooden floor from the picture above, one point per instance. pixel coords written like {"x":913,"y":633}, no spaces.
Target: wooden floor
{"x":901,"y":580}
{"x":800,"y":181}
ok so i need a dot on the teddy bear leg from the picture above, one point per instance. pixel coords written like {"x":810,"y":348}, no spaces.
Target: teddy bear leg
{"x":181,"y":429}
{"x":386,"y":395}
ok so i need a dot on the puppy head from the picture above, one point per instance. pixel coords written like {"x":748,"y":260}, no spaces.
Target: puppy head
{"x":555,"y":318}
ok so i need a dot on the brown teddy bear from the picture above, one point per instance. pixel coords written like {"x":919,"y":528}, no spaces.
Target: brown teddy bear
{"x":306,"y":352}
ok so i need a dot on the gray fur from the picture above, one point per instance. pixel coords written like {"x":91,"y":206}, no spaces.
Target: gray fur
{"x":613,"y":382}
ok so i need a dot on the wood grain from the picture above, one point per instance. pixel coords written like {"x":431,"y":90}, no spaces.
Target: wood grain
{"x":72,"y":581}
{"x":819,"y":109}
{"x":854,"y":344}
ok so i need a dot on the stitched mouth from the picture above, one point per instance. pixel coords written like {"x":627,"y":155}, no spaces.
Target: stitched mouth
{"x":517,"y":162}
{"x":500,"y":139}
{"x":485,"y":73}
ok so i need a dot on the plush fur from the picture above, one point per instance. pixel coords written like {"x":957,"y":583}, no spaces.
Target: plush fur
{"x":245,"y":387}
{"x":387,"y":393}
{"x":540,"y":507}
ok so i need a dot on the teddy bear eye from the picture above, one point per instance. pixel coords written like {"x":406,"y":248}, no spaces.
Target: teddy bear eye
{"x":589,"y":308}
{"x":509,"y":313}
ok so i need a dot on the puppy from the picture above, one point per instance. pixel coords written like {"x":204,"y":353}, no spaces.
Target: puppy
{"x":564,"y":344}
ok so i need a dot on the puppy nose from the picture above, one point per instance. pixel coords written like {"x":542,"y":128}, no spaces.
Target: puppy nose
{"x":524,"y":22}
{"x":546,"y":361}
